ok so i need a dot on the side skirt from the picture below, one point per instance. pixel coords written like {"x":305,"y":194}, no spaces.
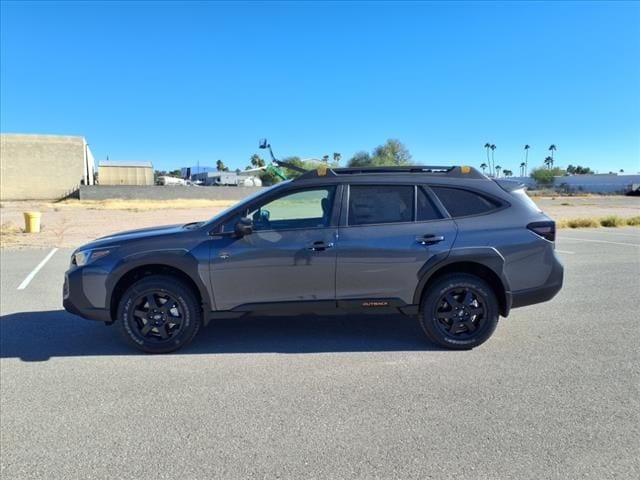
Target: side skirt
{"x":366,"y":306}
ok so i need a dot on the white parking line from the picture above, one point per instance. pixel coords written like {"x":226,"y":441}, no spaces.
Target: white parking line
{"x":600,"y":241}
{"x":33,"y":273}
{"x":565,"y":251}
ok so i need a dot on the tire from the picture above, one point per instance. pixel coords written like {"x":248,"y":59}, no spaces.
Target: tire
{"x":158,"y":314}
{"x":459,"y":312}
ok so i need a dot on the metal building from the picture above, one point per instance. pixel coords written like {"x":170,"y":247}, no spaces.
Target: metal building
{"x":43,"y":167}
{"x":125,"y":173}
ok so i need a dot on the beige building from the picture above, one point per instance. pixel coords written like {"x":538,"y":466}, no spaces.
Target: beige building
{"x":125,"y":173}
{"x":43,"y":167}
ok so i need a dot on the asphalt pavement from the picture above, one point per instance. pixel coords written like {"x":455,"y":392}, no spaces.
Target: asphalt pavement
{"x":555,"y":393}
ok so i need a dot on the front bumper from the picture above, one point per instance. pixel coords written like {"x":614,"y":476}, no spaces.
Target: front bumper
{"x":75,"y":301}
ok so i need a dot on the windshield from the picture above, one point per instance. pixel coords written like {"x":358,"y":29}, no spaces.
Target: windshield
{"x":246,"y":200}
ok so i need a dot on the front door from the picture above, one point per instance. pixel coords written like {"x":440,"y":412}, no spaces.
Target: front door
{"x":389,"y":232}
{"x":289,"y":257}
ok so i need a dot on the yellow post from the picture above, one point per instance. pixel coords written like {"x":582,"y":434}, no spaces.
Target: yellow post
{"x":32,"y":222}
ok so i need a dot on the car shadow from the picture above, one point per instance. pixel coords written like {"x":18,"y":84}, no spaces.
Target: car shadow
{"x":38,"y":336}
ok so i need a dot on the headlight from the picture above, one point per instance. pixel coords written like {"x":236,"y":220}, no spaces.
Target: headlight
{"x":83,"y":257}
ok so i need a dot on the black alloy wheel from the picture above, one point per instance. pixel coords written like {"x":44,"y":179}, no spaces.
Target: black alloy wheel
{"x":159,"y":314}
{"x":459,"y":311}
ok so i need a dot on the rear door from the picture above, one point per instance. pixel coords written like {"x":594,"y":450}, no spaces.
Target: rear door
{"x":387,"y":233}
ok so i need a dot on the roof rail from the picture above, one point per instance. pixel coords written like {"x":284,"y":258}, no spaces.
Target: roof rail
{"x":447,"y":171}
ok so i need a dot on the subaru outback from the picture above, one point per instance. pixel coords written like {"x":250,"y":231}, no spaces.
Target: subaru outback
{"x":447,"y":245}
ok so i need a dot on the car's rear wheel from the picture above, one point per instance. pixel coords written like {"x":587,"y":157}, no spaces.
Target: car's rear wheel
{"x":459,"y":311}
{"x":158,"y":314}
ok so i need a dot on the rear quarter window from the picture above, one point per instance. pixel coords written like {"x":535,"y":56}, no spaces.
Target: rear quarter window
{"x":462,"y":203}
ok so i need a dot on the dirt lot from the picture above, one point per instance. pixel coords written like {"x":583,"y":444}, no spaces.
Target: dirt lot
{"x":73,"y":223}
{"x":562,"y":208}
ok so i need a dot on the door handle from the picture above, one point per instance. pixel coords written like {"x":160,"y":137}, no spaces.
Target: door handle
{"x":429,"y":239}
{"x":319,"y":246}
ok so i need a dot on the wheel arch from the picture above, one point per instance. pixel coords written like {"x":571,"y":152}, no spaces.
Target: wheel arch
{"x":138,"y":272}
{"x":488,"y":266}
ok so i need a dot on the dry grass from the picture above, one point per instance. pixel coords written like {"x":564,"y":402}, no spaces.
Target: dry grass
{"x":10,"y":234}
{"x":578,"y":223}
{"x":613,"y":221}
{"x":145,"y":205}
{"x":610,"y":221}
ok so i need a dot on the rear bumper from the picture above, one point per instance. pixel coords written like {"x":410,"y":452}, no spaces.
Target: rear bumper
{"x":543,"y":293}
{"x":74,"y":300}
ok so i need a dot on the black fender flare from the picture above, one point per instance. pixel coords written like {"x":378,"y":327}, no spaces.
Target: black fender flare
{"x":488,"y":257}
{"x":179,"y":259}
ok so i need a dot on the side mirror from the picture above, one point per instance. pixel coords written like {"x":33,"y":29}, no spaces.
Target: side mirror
{"x":243,"y":227}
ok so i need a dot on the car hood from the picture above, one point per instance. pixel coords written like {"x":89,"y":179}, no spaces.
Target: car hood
{"x":131,"y":235}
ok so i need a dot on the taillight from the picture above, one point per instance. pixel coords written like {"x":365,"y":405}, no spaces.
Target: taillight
{"x":544,"y":229}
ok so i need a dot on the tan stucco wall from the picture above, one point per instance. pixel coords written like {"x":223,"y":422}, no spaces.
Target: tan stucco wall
{"x":40,"y":167}
{"x":108,"y":175}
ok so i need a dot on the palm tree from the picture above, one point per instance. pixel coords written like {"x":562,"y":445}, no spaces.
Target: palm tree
{"x":493,"y":160}
{"x":498,"y":168}
{"x":483,"y":166}
{"x":488,"y":147}
{"x":256,"y":161}
{"x":523,"y":166}
{"x":221,"y":167}
{"x":507,"y":173}
{"x":548,"y":162}
{"x":526,"y":159}
{"x":337,"y":157}
{"x":552,"y":148}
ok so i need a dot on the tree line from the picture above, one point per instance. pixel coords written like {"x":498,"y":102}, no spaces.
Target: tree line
{"x":394,"y":153}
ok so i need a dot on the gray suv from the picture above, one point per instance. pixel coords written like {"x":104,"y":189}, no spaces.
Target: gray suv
{"x":445,"y":244}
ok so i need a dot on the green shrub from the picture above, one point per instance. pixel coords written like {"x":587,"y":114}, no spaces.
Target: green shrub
{"x":633,"y":221}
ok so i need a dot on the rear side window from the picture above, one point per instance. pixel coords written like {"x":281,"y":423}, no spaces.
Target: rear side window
{"x":370,"y":204}
{"x":461,"y":203}
{"x":426,"y":209}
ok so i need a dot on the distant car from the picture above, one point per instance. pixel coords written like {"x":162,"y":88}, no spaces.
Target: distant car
{"x":445,"y":244}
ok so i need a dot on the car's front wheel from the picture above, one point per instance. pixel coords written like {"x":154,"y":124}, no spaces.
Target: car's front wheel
{"x":158,"y":314}
{"x":460,"y":311}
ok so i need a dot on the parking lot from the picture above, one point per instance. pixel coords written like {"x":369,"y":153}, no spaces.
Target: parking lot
{"x":554,"y":394}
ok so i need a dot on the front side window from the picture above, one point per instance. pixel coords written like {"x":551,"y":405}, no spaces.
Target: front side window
{"x":374,"y":204}
{"x":309,"y":208}
{"x":461,"y":203}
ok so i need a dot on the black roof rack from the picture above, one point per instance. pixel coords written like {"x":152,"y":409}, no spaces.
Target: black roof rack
{"x":402,"y":169}
{"x":447,"y":171}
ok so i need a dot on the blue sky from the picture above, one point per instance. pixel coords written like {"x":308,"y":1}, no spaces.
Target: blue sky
{"x":180,"y":83}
